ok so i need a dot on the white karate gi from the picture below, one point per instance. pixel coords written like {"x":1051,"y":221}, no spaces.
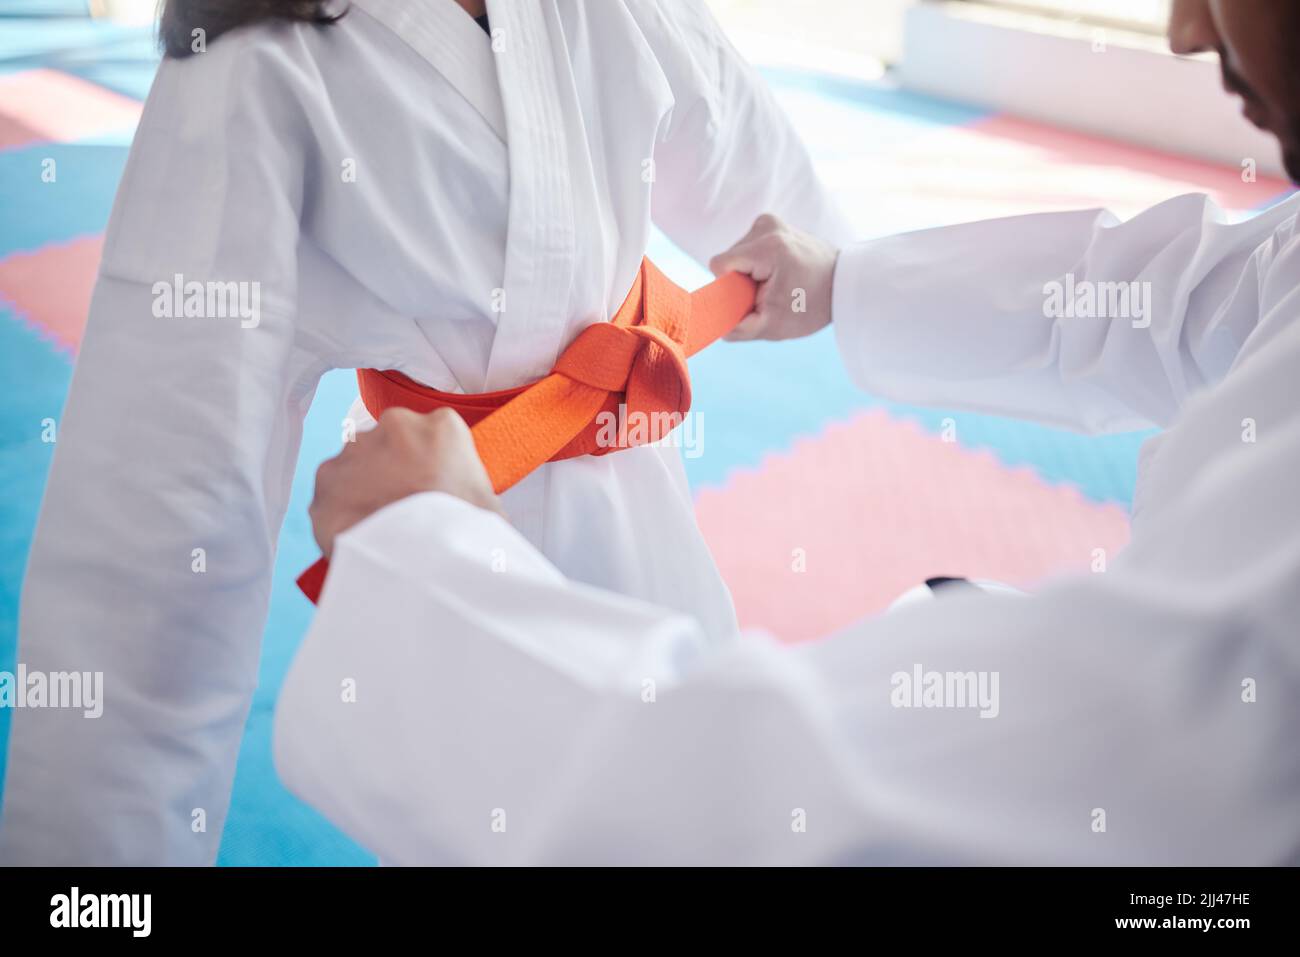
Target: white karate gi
{"x":407,"y":194}
{"x":1146,"y":715}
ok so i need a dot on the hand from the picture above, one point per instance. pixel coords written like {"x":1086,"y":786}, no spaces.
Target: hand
{"x":405,"y":454}
{"x":794,"y":272}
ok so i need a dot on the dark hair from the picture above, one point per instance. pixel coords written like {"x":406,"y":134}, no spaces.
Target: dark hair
{"x":180,"y":18}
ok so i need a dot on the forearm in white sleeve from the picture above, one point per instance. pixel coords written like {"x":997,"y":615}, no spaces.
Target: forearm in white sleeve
{"x":152,"y":558}
{"x":994,"y":316}
{"x":729,"y":152}
{"x":458,"y":701}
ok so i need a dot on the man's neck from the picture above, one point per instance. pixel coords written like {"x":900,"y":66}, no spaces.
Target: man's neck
{"x":475,"y":8}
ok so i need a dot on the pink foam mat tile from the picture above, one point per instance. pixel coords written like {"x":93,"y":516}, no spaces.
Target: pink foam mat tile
{"x":51,"y":287}
{"x":48,"y":106}
{"x":1138,"y":174}
{"x":873,"y":507}
{"x":1002,"y":166}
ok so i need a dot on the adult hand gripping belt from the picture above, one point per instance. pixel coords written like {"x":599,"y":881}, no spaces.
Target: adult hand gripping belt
{"x":637,"y":360}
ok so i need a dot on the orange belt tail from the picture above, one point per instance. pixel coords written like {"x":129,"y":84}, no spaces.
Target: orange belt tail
{"x":633,"y":364}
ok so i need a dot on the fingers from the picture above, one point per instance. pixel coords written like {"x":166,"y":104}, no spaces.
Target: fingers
{"x":435,"y":435}
{"x":753,"y":254}
{"x":324,"y":504}
{"x":739,"y":259}
{"x":405,"y":454}
{"x":462,"y":470}
{"x":748,"y":329}
{"x":397,"y":419}
{"x":450,"y":437}
{"x":764,"y":225}
{"x":764,"y":322}
{"x":443,"y":421}
{"x":448,"y":424}
{"x":757,"y":258}
{"x":324,"y":472}
{"x":735,"y":259}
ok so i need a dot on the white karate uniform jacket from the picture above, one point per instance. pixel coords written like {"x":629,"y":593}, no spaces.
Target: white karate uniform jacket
{"x":1144,"y":715}
{"x":407,"y":194}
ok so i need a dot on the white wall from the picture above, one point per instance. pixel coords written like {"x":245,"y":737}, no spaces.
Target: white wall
{"x":1122,"y":86}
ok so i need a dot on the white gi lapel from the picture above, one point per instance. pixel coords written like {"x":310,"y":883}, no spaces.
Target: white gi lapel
{"x":541,"y":249}
{"x":442,"y":32}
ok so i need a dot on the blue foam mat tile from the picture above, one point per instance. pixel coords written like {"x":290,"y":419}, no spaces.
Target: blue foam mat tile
{"x":77,"y":203}
{"x":27,"y":358}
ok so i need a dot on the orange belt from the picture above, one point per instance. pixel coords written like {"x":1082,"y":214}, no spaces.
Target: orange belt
{"x":637,"y":361}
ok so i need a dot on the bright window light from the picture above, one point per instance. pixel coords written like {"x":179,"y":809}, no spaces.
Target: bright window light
{"x":1145,"y":14}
